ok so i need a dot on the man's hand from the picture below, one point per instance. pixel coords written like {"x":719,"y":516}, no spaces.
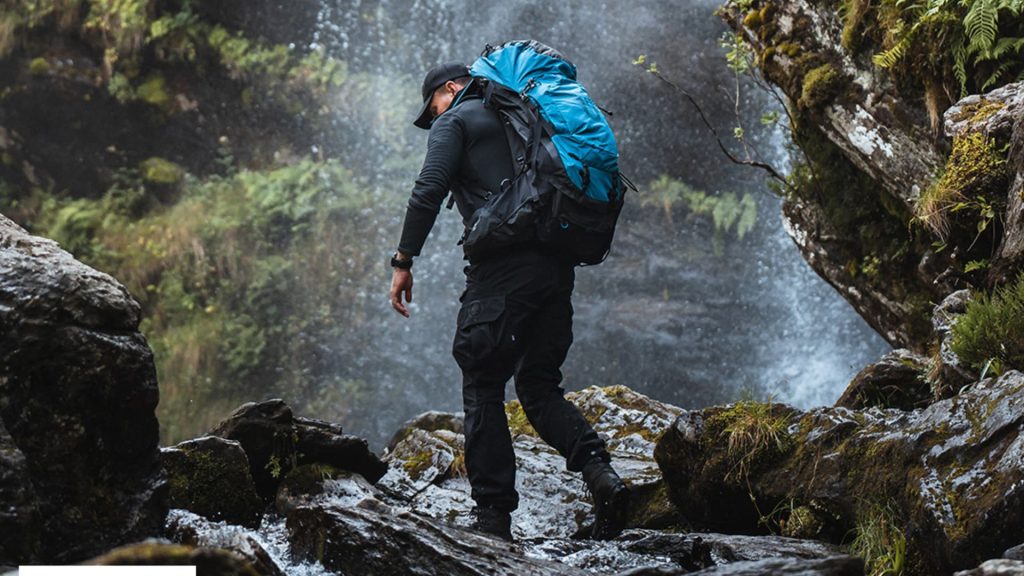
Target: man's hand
{"x":401,"y":283}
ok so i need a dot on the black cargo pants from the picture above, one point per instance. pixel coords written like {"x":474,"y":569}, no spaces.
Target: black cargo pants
{"x":516,"y":320}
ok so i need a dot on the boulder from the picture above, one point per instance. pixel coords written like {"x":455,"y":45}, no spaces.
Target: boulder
{"x":949,"y":374}
{"x":997,"y":567}
{"x":373,"y":539}
{"x":210,"y":476}
{"x":275,"y":442}
{"x":184,"y":527}
{"x":78,"y":394}
{"x":427,"y":469}
{"x":946,"y":478}
{"x":19,"y":512}
{"x":834,"y":566}
{"x":897,"y":380}
{"x":318,"y":484}
{"x":208,"y":561}
{"x":648,"y":551}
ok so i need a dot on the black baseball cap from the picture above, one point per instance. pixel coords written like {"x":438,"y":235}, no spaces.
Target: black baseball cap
{"x":436,"y":78}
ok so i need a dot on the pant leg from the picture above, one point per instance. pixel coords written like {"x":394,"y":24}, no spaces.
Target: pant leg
{"x":538,"y":381}
{"x":482,"y":350}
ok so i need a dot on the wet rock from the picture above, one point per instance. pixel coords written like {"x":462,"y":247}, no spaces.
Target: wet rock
{"x":428,"y":422}
{"x":1014,"y":553}
{"x":949,"y":374}
{"x":1010,"y":253}
{"x":1000,"y":567}
{"x":835,"y":566}
{"x":266,"y":431}
{"x":184,"y":527}
{"x":324,"y":443}
{"x":208,"y":561}
{"x":315,"y":484}
{"x":992,"y":114}
{"x":950,"y":473}
{"x":651,"y":552}
{"x":897,"y":380}
{"x":19,"y":514}
{"x":276,"y":442}
{"x":634,"y":549}
{"x":726,"y":548}
{"x":210,"y":476}
{"x":427,"y":470}
{"x":373,"y":539}
{"x":78,"y":394}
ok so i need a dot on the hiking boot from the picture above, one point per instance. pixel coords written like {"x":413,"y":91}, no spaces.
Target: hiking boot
{"x":493,"y":522}
{"x":611,"y":499}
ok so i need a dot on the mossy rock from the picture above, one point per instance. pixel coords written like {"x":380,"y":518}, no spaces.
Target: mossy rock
{"x":820,"y":86}
{"x":210,"y":476}
{"x":947,"y":475}
{"x":208,"y":561}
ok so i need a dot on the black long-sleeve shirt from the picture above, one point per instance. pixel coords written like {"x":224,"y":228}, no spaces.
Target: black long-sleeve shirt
{"x":467,"y":153}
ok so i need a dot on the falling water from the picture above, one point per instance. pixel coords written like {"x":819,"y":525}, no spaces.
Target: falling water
{"x":672,"y":313}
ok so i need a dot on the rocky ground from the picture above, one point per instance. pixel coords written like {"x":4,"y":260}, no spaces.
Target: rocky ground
{"x":748,"y":488}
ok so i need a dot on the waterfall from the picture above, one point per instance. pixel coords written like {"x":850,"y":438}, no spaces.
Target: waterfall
{"x":673,"y":313}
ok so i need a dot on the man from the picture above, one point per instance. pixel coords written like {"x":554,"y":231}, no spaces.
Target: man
{"x":516,"y":315}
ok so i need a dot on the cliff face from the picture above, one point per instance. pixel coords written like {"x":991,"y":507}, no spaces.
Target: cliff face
{"x":898,"y":199}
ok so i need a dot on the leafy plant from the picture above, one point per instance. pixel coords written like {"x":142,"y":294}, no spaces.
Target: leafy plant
{"x":982,"y":41}
{"x":217,"y":272}
{"x":880,"y":541}
{"x":991,"y":331}
{"x":974,"y":173}
{"x":728,"y":212}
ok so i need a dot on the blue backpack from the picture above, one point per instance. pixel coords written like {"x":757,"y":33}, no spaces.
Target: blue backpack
{"x":567,"y":190}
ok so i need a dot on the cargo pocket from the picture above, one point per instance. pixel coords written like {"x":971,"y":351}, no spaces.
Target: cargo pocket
{"x":478,"y":336}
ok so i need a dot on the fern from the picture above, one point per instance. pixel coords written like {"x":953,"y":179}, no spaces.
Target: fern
{"x":982,"y":25}
{"x":966,"y":32}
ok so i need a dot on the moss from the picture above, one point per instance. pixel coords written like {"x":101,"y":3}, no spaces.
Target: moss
{"x":39,"y":66}
{"x":974,"y":178}
{"x":752,"y":432}
{"x":853,"y":12}
{"x":418,"y":463}
{"x":979,"y":111}
{"x":791,"y":49}
{"x":518,"y":423}
{"x":161,"y":171}
{"x":154,"y":91}
{"x":752,"y":19}
{"x":820,"y":87}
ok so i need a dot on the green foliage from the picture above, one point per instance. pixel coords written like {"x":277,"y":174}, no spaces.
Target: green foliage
{"x":739,"y":55}
{"x":730,"y":213}
{"x":124,"y":32}
{"x":161,"y":171}
{"x":219,"y":273}
{"x":754,"y":431}
{"x":974,"y":179}
{"x":880,"y":541}
{"x":991,"y":331}
{"x":981,"y":42}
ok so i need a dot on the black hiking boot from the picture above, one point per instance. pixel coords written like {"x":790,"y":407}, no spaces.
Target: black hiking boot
{"x":611,"y":499}
{"x":493,"y":522}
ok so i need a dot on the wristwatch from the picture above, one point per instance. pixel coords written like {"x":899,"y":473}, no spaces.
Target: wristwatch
{"x":400,"y":264}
